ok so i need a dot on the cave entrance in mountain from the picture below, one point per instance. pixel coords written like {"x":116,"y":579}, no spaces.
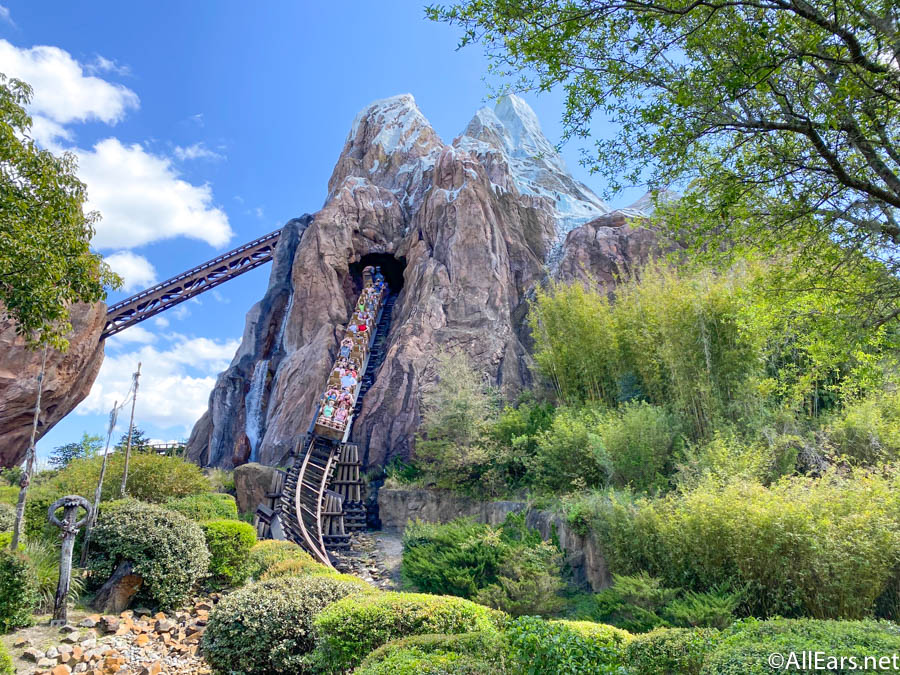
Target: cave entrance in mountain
{"x":391,"y":267}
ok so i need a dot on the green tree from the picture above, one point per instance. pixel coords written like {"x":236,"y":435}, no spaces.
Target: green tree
{"x":780,"y":117}
{"x":140,"y":442}
{"x":46,"y":263}
{"x":88,"y":446}
{"x":455,"y":413}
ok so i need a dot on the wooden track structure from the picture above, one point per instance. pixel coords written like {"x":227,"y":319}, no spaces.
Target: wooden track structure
{"x":187,"y":285}
{"x":321,"y":501}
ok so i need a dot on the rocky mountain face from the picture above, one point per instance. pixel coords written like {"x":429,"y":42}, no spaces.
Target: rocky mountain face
{"x":67,"y":380}
{"x":471,"y":226}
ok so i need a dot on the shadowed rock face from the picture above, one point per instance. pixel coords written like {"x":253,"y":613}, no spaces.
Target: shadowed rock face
{"x":475,"y":222}
{"x":67,"y":381}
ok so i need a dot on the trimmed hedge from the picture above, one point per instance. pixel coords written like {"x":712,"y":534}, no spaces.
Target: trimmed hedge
{"x":229,"y":543}
{"x":479,"y":653}
{"x":745,"y":648}
{"x":168,"y":550}
{"x":18,"y":591}
{"x":682,"y":651}
{"x":267,"y":627}
{"x":351,"y":628}
{"x":295,"y":567}
{"x":268,"y":552}
{"x":211,"y":506}
{"x":536,"y":646}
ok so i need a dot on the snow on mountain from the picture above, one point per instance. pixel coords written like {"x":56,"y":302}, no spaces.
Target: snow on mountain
{"x":512,"y":129}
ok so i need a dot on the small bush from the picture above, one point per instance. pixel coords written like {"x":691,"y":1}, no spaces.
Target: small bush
{"x":267,"y":627}
{"x":528,"y":582}
{"x":44,"y":561}
{"x":211,"y":506}
{"x":353,"y":627}
{"x":229,"y":543}
{"x":537,"y":646}
{"x":456,"y":558}
{"x":680,"y":651}
{"x":168,"y":550}
{"x":7,"y":517}
{"x":744,"y":649}
{"x":640,"y":440}
{"x":507,"y":568}
{"x":867,"y":431}
{"x":6,"y":662}
{"x":268,"y":552}
{"x":571,"y":454}
{"x":463,"y":654}
{"x":714,"y":609}
{"x":295,"y":567}
{"x":18,"y":591}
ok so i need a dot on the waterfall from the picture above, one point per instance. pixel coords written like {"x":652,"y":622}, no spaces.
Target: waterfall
{"x":284,"y":320}
{"x":253,"y":403}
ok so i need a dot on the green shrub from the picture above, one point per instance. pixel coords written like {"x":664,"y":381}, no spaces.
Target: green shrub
{"x":456,"y":558}
{"x":43,"y":558}
{"x":713,"y":609}
{"x":745,"y":648}
{"x":537,"y":647}
{"x":867,"y":431}
{"x":268,"y":552}
{"x":463,"y":654}
{"x":18,"y":591}
{"x":596,"y":631}
{"x":210,"y":506}
{"x":508,"y":568}
{"x":671,"y":651}
{"x":9,"y":494}
{"x":229,"y":543}
{"x":351,"y":628}
{"x":528,"y":582}
{"x":822,"y":548}
{"x":7,"y":517}
{"x":151,"y":478}
{"x":6,"y":663}
{"x":167,"y":550}
{"x":295,"y":567}
{"x":571,"y":454}
{"x":640,"y":440}
{"x":267,"y":627}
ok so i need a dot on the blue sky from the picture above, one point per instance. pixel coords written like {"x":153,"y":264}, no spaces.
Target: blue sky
{"x":201,"y":125}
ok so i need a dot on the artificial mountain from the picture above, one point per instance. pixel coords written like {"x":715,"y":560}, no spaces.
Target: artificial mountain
{"x":472,"y":226}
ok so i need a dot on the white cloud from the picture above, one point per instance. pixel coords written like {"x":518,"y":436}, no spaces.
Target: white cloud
{"x":134,"y":335}
{"x":140,"y":195}
{"x":196,"y":151}
{"x":175,"y":380}
{"x":143,"y":199}
{"x":161,"y":321}
{"x":62,"y":91}
{"x":101,"y":64}
{"x":6,"y":16}
{"x":136,"y":271}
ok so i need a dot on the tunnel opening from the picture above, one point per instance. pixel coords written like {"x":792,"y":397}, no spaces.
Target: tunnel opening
{"x":391,"y":267}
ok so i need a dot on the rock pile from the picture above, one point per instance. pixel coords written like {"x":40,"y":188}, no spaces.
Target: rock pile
{"x":134,"y":642}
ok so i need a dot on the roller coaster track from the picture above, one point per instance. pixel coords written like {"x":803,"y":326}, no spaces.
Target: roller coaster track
{"x":187,"y":285}
{"x":306,"y":496}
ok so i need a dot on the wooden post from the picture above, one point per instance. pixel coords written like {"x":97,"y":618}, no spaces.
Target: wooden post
{"x":70,"y":505}
{"x":92,"y":518}
{"x":29,"y":460}
{"x":130,"y":431}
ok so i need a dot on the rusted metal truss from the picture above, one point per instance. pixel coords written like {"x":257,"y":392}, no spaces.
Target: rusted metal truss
{"x":189,"y":284}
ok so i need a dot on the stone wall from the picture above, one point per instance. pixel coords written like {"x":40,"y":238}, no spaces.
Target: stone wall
{"x":583,"y":553}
